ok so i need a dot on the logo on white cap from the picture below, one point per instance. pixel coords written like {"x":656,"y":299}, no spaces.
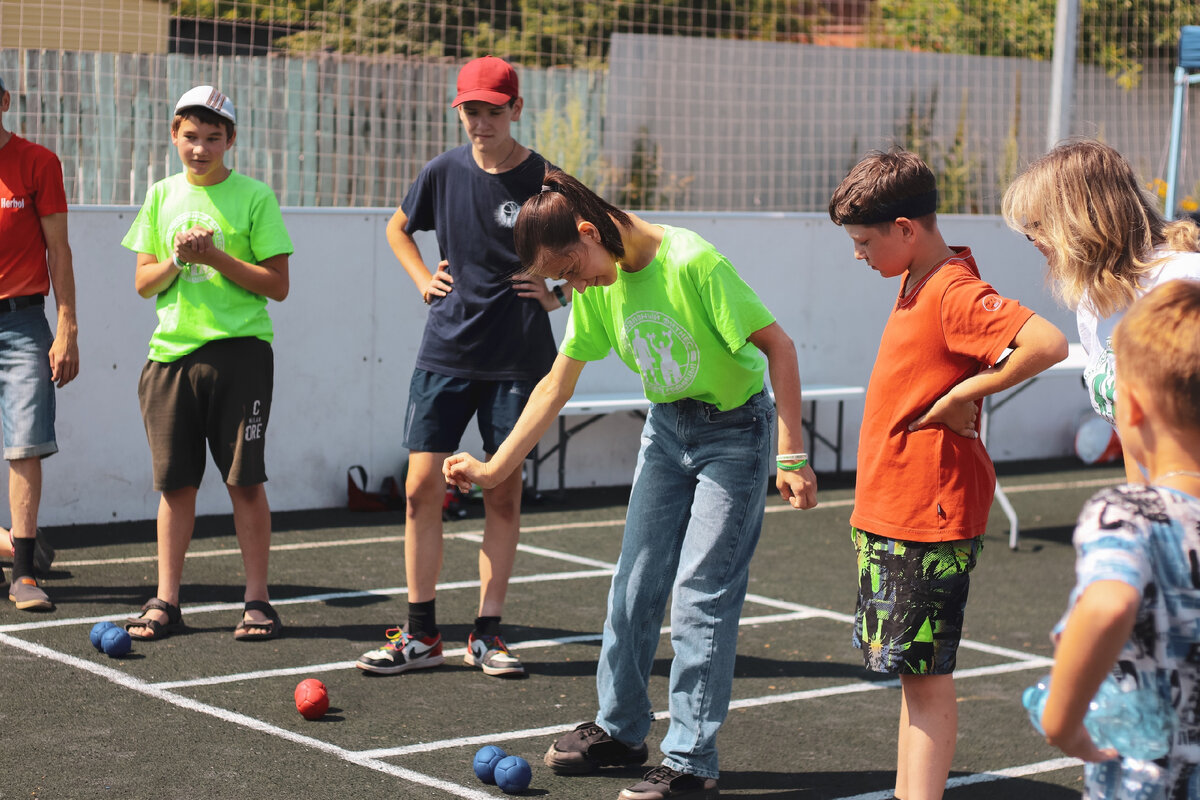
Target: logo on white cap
{"x":207,"y":97}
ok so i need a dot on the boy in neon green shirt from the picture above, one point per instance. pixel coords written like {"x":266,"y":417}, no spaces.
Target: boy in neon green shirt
{"x":212,"y":247}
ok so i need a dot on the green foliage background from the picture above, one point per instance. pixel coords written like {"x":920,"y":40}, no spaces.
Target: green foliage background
{"x":1117,"y":34}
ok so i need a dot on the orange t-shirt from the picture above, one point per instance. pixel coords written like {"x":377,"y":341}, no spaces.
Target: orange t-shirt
{"x":31,"y":187}
{"x":930,"y":485}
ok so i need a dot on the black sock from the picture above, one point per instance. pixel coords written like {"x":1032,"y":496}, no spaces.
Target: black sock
{"x":487,"y":626}
{"x":22,"y":557}
{"x":422,"y":619}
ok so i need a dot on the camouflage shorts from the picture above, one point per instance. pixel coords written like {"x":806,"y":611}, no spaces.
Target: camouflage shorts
{"x":911,"y":600}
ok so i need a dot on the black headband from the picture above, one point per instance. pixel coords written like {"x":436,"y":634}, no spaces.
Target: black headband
{"x":917,"y":205}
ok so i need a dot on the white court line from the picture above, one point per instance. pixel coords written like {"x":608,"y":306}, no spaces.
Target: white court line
{"x":312,"y":598}
{"x":367,"y":758}
{"x":121,"y":679}
{"x":837,"y":616}
{"x":454,"y":653}
{"x":1053,"y":765}
{"x":233,"y":551}
{"x":857,"y":687}
{"x":476,"y":535}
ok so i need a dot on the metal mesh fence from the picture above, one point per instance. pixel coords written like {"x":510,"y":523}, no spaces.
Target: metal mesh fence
{"x":753,"y":105}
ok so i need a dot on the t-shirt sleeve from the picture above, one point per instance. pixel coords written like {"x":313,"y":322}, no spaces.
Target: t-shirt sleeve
{"x":51,"y":197}
{"x":268,"y":233}
{"x":586,"y":338}
{"x":1111,"y":543}
{"x":418,"y":202}
{"x":143,"y":236}
{"x":979,"y":323}
{"x":733,"y":307}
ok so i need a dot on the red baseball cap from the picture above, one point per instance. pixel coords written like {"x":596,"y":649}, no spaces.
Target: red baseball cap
{"x":490,"y":79}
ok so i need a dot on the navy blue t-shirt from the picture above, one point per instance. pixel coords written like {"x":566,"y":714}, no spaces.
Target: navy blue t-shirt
{"x":482,"y":329}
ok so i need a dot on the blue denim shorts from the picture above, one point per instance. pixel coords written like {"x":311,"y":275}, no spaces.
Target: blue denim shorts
{"x":440,"y":406}
{"x":26,"y":389}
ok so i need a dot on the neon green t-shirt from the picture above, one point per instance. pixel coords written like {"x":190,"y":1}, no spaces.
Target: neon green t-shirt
{"x":681,"y":322}
{"x":202,"y":304}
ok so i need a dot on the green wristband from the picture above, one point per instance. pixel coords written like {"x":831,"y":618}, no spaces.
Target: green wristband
{"x":801,"y":464}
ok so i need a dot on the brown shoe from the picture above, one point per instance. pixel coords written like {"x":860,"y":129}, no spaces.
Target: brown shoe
{"x":589,"y":747}
{"x":662,"y":783}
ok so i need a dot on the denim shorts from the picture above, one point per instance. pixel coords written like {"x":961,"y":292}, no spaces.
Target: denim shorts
{"x":912,"y":597}
{"x":26,"y":389}
{"x":441,"y":406}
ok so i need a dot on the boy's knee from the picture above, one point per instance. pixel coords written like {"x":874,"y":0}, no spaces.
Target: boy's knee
{"x":502,"y":504}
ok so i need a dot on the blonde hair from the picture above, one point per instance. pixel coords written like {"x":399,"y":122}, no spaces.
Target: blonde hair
{"x":1083,"y":202}
{"x":1157,"y":344}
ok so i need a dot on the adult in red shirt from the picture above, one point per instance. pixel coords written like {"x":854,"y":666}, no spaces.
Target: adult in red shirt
{"x":34,"y":256}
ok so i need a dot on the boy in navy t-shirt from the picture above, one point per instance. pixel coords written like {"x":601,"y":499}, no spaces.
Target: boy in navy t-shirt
{"x":487,"y":342}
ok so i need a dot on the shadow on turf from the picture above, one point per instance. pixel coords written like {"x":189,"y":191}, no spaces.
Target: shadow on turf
{"x":753,"y":785}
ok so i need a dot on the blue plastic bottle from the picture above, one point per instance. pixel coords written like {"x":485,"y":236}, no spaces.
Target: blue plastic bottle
{"x":1135,"y":723}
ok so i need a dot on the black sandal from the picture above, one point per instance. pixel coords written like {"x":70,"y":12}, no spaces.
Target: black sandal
{"x":158,"y":630}
{"x":244,"y":632}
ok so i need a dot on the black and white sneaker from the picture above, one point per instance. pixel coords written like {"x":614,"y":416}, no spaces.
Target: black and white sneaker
{"x":661,"y":783}
{"x":589,"y":747}
{"x":491,"y":654}
{"x":402,"y":653}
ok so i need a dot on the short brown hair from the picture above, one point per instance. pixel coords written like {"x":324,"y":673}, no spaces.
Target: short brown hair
{"x":200,"y":114}
{"x":883,"y":183}
{"x":1157,"y":344}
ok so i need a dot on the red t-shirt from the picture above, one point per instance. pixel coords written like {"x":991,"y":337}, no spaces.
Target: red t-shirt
{"x":932,"y":484}
{"x":31,"y":187}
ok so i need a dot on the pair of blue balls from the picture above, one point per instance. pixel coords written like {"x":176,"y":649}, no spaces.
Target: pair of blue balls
{"x":511,"y":773}
{"x":110,"y":639}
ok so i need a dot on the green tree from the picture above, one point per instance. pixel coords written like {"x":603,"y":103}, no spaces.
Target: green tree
{"x":532,"y":32}
{"x":1118,"y":35}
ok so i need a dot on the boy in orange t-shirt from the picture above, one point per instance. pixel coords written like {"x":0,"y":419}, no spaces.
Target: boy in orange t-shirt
{"x":925,"y":482}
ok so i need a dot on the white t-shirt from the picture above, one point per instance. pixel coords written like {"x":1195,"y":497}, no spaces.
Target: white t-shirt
{"x":1095,"y":334}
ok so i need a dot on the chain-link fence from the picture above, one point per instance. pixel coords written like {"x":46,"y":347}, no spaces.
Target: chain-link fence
{"x":715,"y":105}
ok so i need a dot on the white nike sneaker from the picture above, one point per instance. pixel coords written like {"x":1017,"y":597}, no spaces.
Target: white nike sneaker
{"x":490,"y":654}
{"x":402,"y":653}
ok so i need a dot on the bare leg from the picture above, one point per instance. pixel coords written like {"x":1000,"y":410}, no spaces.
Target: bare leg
{"x":176,"y":521}
{"x":252,"y":523}
{"x":501,"y":532}
{"x":425,"y":490}
{"x":928,"y":731}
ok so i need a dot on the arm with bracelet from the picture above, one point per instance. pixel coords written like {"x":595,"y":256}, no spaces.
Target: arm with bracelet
{"x":794,"y":477}
{"x":790,"y":462}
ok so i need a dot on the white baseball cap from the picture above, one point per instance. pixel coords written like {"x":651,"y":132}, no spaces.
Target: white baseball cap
{"x":207,"y":97}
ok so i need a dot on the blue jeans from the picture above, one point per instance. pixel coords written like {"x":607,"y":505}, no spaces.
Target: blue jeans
{"x":26,"y":389}
{"x":695,"y":513}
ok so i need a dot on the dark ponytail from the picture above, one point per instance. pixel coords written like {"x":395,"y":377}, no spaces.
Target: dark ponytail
{"x":547,"y":222}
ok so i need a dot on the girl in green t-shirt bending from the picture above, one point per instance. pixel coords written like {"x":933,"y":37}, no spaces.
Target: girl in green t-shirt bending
{"x":678,"y":314}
